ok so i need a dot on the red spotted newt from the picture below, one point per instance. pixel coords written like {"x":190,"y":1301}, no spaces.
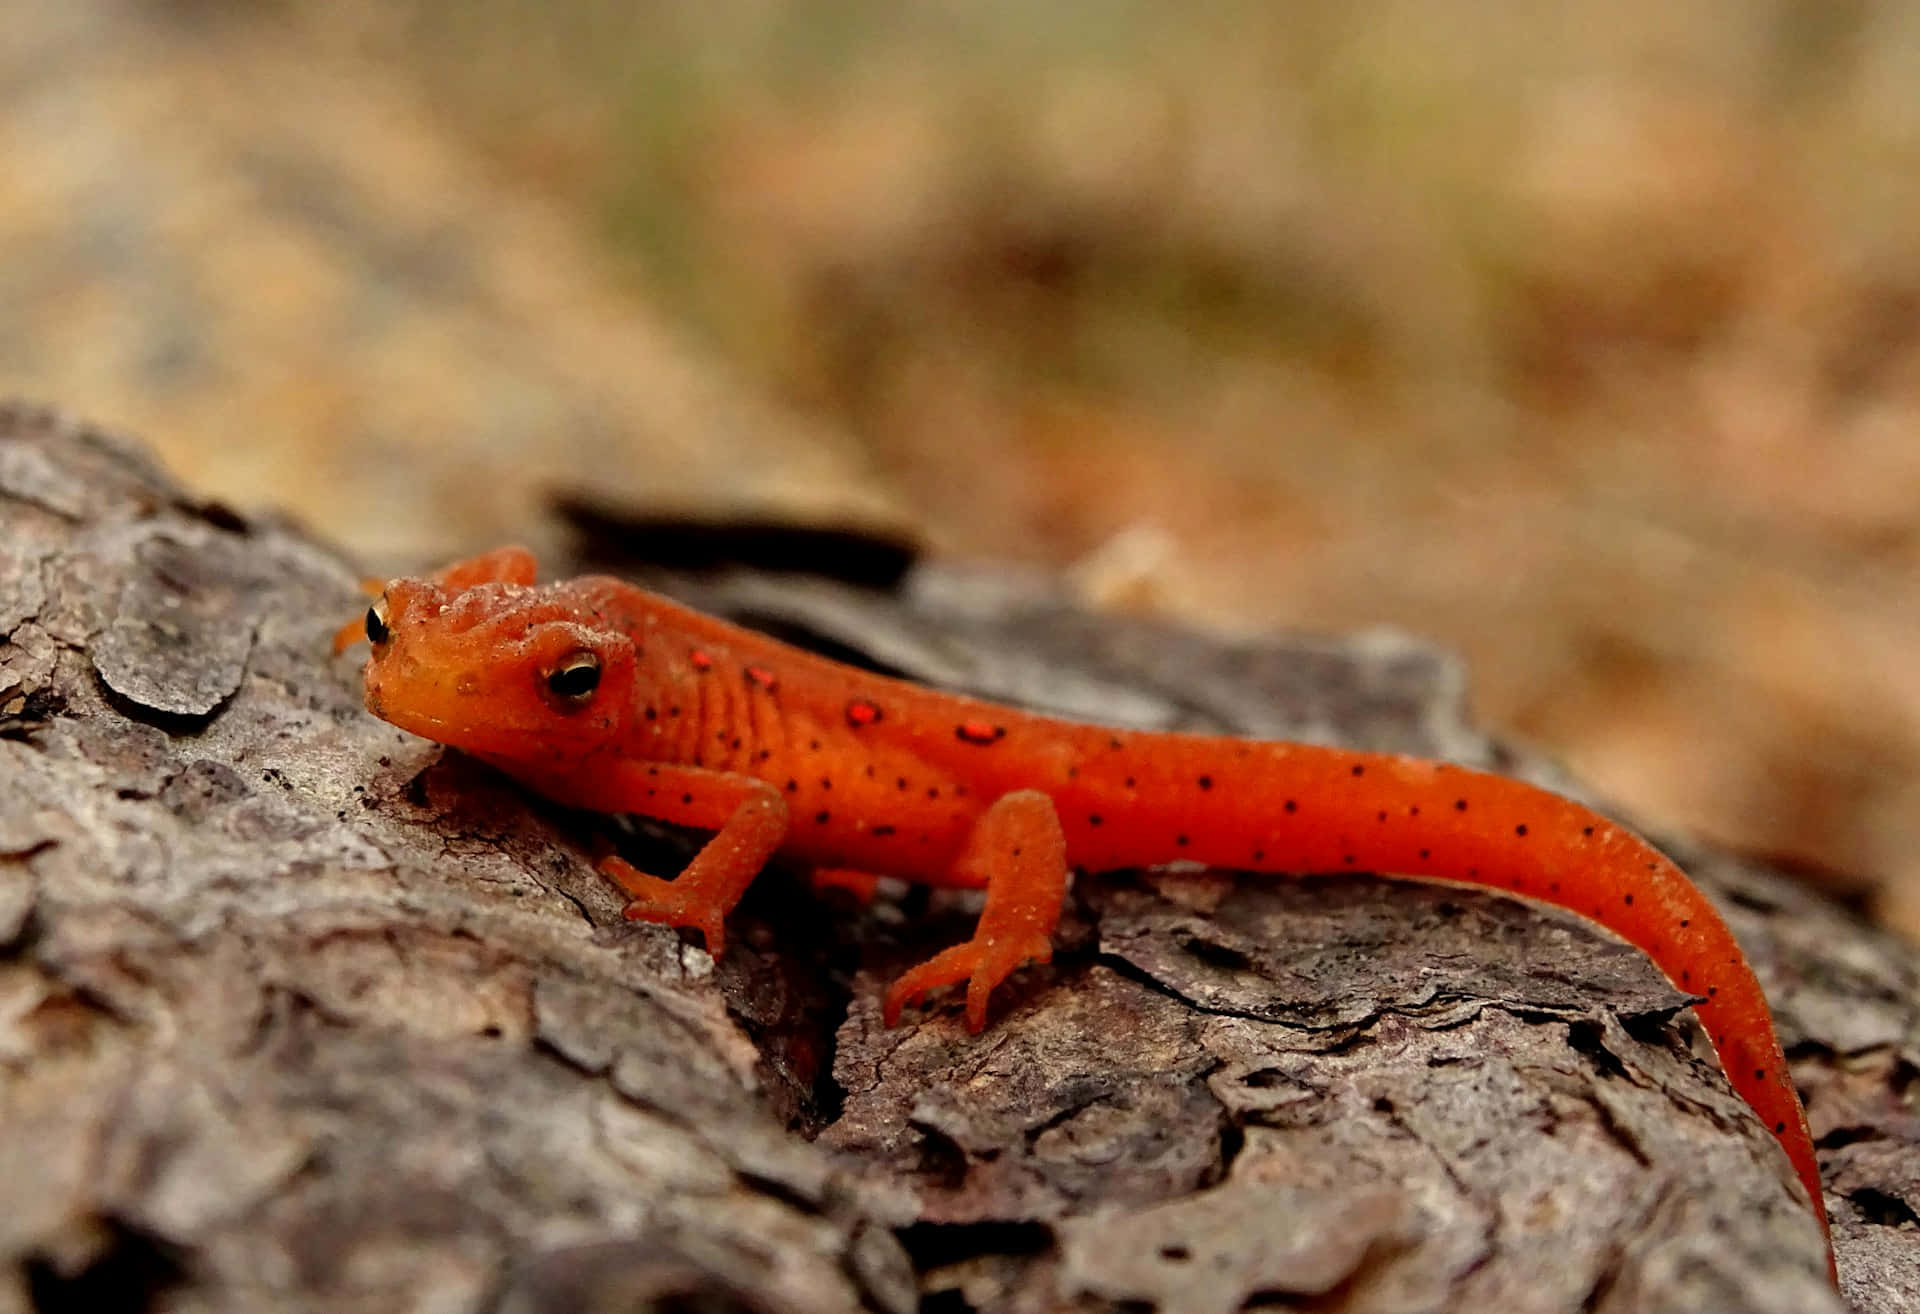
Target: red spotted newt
{"x":600,"y":695}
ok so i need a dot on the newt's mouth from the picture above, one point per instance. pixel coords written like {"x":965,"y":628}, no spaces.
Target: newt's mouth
{"x":454,"y":710}
{"x":407,"y":712}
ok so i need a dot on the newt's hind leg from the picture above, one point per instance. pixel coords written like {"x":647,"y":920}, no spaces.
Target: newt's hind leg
{"x":1018,"y":847}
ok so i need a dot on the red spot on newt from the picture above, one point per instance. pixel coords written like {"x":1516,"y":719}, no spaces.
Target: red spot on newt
{"x":993,"y":818}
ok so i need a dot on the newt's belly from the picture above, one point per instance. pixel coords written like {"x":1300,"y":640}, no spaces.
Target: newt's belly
{"x":910,"y":845}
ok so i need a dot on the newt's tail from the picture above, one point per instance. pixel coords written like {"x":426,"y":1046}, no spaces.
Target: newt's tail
{"x":1299,"y":808}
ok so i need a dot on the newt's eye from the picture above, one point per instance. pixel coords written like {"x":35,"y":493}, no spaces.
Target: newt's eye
{"x":377,"y":631}
{"x":575,"y":679}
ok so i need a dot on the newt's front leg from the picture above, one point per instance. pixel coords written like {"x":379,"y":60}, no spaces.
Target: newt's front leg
{"x":507,"y":565}
{"x":1018,"y":847}
{"x":748,"y":818}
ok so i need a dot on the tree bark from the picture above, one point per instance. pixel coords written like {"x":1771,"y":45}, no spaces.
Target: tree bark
{"x":299,"y":1012}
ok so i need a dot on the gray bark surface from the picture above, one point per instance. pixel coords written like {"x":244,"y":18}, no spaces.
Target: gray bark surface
{"x":298,"y":1012}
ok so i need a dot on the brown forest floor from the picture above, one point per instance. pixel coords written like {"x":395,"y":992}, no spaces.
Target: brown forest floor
{"x":1585,"y":339}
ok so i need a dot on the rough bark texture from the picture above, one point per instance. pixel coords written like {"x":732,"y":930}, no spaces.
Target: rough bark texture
{"x":297,"y":1012}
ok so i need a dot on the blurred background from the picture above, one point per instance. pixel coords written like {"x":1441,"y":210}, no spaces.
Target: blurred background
{"x":1583,"y":338}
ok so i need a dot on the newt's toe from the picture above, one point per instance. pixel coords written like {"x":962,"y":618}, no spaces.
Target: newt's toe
{"x":668,"y":903}
{"x":983,"y":965}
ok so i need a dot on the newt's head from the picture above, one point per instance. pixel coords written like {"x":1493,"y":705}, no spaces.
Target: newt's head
{"x":504,"y":670}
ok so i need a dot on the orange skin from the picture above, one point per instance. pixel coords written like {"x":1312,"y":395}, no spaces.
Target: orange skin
{"x":602,"y":696}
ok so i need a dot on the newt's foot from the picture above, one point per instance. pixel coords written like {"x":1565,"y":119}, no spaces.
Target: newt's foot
{"x":862,"y":885}
{"x":356,"y":629}
{"x":671,"y":903}
{"x":982,"y":964}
